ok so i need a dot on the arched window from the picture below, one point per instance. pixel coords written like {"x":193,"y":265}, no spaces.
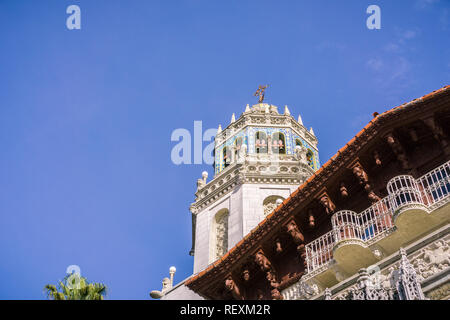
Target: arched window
{"x":219,"y":234}
{"x":226,"y":153}
{"x":261,"y":142}
{"x":298,"y":142}
{"x":310,"y":158}
{"x":270,"y":203}
{"x":278,"y":143}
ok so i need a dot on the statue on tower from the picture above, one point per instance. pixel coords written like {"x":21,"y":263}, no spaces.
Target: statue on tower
{"x":260,"y":93}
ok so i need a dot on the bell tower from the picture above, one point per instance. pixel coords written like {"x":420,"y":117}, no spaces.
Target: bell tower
{"x":260,"y":159}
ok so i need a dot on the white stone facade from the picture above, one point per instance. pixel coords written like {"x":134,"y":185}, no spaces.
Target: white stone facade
{"x":245,"y":207}
{"x":250,"y":182}
{"x":253,"y":181}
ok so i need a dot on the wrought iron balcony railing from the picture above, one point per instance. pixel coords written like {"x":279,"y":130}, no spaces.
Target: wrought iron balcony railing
{"x":430,"y":191}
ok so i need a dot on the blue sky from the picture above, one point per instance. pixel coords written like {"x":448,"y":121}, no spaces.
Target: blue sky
{"x":86,"y":115}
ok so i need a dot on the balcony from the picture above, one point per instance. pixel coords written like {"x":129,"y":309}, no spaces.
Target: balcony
{"x":412,"y":207}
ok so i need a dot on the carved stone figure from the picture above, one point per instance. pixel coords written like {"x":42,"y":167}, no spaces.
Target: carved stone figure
{"x":343,"y":189}
{"x":398,"y":151}
{"x":278,"y":248}
{"x":232,"y":288}
{"x":295,"y":233}
{"x":311,"y":221}
{"x":373,"y":198}
{"x":300,"y":153}
{"x":242,"y":151}
{"x":438,"y":132}
{"x":361,"y":175}
{"x":276,"y":295}
{"x":246,"y":275}
{"x":376,"y":156}
{"x":262,"y":261}
{"x":326,"y":202}
{"x":439,"y":256}
{"x":270,"y":276}
{"x":259,"y":294}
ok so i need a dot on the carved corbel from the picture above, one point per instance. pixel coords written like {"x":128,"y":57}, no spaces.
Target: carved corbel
{"x":265,"y":265}
{"x":360,"y":174}
{"x":343,"y":190}
{"x":413,"y":134}
{"x":376,"y":156}
{"x":262,"y":261}
{"x":278,"y":248}
{"x":438,"y":132}
{"x":232,"y":288}
{"x":363,"y":179}
{"x":398,"y":150}
{"x":276,"y":295}
{"x":311,"y":219}
{"x":246,"y":275}
{"x":293,"y":230}
{"x":373,"y":198}
{"x":327,"y":203}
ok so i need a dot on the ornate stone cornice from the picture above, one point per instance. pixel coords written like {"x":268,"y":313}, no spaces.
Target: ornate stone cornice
{"x":263,"y":119}
{"x":256,"y":170}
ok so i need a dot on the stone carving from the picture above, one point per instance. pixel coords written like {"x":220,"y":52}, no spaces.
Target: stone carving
{"x":363,"y":180}
{"x":398,"y":151}
{"x":327,"y":294}
{"x":408,"y":286}
{"x":398,"y":284}
{"x":259,"y":294}
{"x":278,"y":248}
{"x":221,"y":235}
{"x":366,"y":289}
{"x":376,"y":156}
{"x":271,"y":203}
{"x":311,"y":221}
{"x":265,"y":265}
{"x":432,"y":259}
{"x":413,"y":134}
{"x":361,"y":175}
{"x":272,"y":279}
{"x":295,"y":233}
{"x":301,"y":291}
{"x":326,"y":202}
{"x":166,"y":284}
{"x":246,"y":275}
{"x":231,"y":287}
{"x":438,"y":132}
{"x":300,"y":153}
{"x":262,"y":261}
{"x":242,"y":152}
{"x":441,"y":293}
{"x":343,"y":189}
{"x":202,"y":182}
{"x":373,"y":198}
{"x":276,"y":295}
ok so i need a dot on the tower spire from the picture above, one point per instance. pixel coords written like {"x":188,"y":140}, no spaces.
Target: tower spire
{"x":286,"y":110}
